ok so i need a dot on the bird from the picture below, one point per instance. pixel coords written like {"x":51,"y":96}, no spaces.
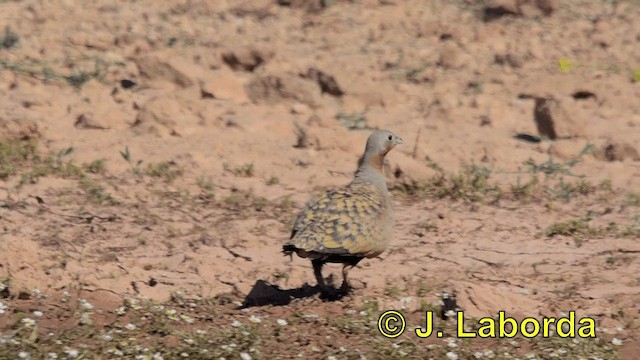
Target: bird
{"x":351,"y":223}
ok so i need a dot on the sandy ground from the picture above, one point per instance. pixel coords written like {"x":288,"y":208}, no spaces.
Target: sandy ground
{"x":256,"y":106}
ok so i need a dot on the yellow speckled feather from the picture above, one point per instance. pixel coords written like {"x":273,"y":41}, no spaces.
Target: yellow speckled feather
{"x":348,"y":221}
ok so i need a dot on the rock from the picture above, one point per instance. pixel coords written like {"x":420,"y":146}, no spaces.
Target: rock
{"x":256,"y":8}
{"x":273,"y":89}
{"x":224,"y":85}
{"x":246,"y":59}
{"x":164,"y":116}
{"x":87,"y":121}
{"x":616,"y":151}
{"x":452,"y":57}
{"x":527,"y":8}
{"x":554,"y":120}
{"x":308,"y":5}
{"x":175,"y":69}
{"x":327,"y":83}
{"x":18,"y":128}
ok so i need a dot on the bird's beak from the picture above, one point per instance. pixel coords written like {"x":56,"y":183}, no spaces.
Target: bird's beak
{"x":398,"y":140}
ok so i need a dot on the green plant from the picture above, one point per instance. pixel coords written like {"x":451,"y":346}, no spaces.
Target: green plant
{"x":353,"y":120}
{"x":166,"y":170}
{"x":9,"y":39}
{"x":135,"y":166}
{"x":246,"y":170}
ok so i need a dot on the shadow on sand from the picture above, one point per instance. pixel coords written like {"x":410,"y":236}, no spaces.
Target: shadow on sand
{"x":262,"y":293}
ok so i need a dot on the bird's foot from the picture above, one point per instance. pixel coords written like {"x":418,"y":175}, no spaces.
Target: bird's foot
{"x":329,"y":293}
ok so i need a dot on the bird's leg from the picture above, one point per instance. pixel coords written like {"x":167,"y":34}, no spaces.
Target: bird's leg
{"x":346,"y":287}
{"x":317,"y":271}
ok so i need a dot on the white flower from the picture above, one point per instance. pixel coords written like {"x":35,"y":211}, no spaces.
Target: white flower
{"x":478,"y":355}
{"x":141,"y":357}
{"x":450,"y":313}
{"x":2,"y":286}
{"x":405,"y":301}
{"x":255,"y":319}
{"x":3,"y":307}
{"x":86,"y":305}
{"x":121,"y":310}
{"x":157,"y":356}
{"x":28,"y":322}
{"x":189,"y":341}
{"x":282,"y":322}
{"x":616,"y":341}
{"x":71,"y":353}
{"x":184,"y":355}
{"x":331,"y":357}
{"x":245,"y":356}
{"x":37,"y":313}
{"x":451,"y":355}
{"x":451,"y":342}
{"x":130,"y":326}
{"x":200,"y":332}
{"x":85,"y":318}
{"x":186,"y":318}
{"x":37,"y":293}
{"x":236,"y":323}
{"x":24,"y":355}
{"x":107,"y":337}
{"x":51,"y":356}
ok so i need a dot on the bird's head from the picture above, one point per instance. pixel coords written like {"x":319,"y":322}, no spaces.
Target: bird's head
{"x":380,"y":142}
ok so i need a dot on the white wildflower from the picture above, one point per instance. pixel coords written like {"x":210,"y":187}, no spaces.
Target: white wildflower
{"x":331,"y":357}
{"x":478,"y":355}
{"x":616,"y":341}
{"x":245,"y":356}
{"x":282,"y":322}
{"x":189,"y":341}
{"x":130,"y":326}
{"x":184,"y":355}
{"x":450,"y":313}
{"x":71,"y":353}
{"x":405,"y":301}
{"x":255,"y":319}
{"x":51,"y":356}
{"x":37,"y":313}
{"x":157,"y":356}
{"x":2,"y":286}
{"x":37,"y":293}
{"x":236,"y":323}
{"x":85,"y":304}
{"x":201,"y":332}
{"x":3,"y":308}
{"x":107,"y":337}
{"x":451,"y":355}
{"x":186,"y":318}
{"x":85,"y":318}
{"x":24,"y":355}
{"x":121,"y":310}
{"x":28,"y":322}
{"x":451,"y":342}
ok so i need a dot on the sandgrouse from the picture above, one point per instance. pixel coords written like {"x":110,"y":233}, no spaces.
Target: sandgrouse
{"x":348,"y":224}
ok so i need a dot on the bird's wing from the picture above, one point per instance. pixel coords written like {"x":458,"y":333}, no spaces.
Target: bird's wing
{"x":347,"y":221}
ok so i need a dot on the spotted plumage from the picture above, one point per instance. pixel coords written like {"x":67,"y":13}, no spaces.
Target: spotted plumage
{"x":348,"y":224}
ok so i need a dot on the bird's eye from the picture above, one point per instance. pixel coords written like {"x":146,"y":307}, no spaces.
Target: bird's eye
{"x":390,"y":137}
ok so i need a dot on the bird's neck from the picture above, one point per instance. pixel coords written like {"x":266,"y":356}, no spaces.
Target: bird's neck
{"x":371,"y":170}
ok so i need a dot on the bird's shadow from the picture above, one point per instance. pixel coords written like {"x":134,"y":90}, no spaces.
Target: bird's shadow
{"x":262,"y":293}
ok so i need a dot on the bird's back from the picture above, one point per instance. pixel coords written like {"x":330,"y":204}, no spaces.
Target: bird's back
{"x":354,"y":220}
